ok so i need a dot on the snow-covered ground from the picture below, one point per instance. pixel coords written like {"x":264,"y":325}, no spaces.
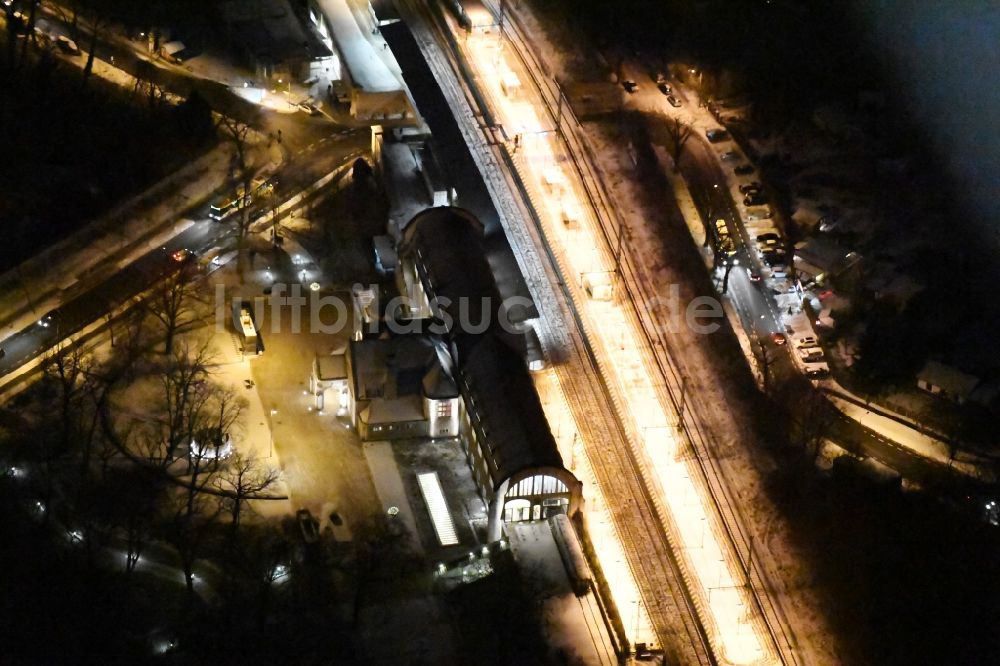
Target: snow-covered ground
{"x":743,"y":465}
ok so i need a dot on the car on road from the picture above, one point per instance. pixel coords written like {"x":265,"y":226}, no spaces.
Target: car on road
{"x":716,"y":135}
{"x":67,"y":45}
{"x":778,"y":338}
{"x":754,"y":198}
{"x":664,"y":88}
{"x":674,"y":102}
{"x":182,"y":256}
{"x":752,"y":186}
{"x":753,"y":274}
{"x":726,"y":246}
{"x":308,"y":525}
{"x":630,"y":86}
{"x":743,"y":169}
{"x":47,"y":320}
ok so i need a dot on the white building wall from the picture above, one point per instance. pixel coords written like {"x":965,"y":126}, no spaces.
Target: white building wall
{"x":442,"y":417}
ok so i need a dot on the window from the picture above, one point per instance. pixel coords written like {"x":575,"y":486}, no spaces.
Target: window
{"x":444,"y":409}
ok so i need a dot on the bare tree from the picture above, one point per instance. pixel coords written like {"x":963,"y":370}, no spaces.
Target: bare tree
{"x":29,"y":29}
{"x":244,"y":479}
{"x":132,"y":344}
{"x":678,"y":134}
{"x":765,"y":358}
{"x":243,"y":163}
{"x":97,"y":14}
{"x":183,"y":399}
{"x":192,"y":520}
{"x":67,"y":367}
{"x":171,"y":304}
{"x":812,"y":422}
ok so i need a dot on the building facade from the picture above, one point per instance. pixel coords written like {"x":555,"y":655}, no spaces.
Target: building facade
{"x":509,"y":447}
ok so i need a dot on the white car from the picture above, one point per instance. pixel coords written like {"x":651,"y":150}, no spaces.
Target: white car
{"x":806,"y":342}
{"x":811,"y":354}
{"x":763,"y":213}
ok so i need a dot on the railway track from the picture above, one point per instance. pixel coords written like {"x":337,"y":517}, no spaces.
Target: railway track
{"x":639,"y":287}
{"x":637,"y":518}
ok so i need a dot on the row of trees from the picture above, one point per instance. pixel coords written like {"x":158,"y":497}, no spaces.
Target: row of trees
{"x":126,"y":447}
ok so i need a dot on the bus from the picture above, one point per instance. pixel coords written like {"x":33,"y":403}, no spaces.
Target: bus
{"x":225,"y":206}
{"x":246,"y":327}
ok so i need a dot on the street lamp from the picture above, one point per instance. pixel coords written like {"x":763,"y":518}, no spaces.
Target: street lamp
{"x":270,"y":432}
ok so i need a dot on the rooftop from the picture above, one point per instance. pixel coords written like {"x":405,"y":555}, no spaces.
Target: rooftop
{"x":367,"y":67}
{"x":396,"y":366}
{"x":952,"y":380}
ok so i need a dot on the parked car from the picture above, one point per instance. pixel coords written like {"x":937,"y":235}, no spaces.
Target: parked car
{"x":811,"y":354}
{"x":664,"y":88}
{"x":674,"y":102}
{"x":308,"y":525}
{"x":754,"y":198}
{"x":630,"y":86}
{"x":67,"y":45}
{"x":773,"y":257}
{"x":769,"y":238}
{"x":817,"y":370}
{"x":828,"y":223}
{"x":743,"y":169}
{"x":729,"y":156}
{"x":760,"y":214}
{"x":716,"y":135}
{"x":752,"y":186}
{"x":764,"y":246}
{"x":806,"y":342}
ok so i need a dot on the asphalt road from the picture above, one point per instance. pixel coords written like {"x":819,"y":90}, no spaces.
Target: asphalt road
{"x":757,"y":308}
{"x":307,"y":167}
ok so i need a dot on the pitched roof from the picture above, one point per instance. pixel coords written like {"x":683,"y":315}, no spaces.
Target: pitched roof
{"x":951,"y":380}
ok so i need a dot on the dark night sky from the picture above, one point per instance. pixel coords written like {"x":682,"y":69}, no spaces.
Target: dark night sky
{"x":947,"y":54}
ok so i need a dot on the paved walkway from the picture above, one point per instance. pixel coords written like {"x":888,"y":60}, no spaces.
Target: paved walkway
{"x":389,"y":484}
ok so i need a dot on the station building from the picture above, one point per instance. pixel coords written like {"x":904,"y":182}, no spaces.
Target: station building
{"x":444,"y":274}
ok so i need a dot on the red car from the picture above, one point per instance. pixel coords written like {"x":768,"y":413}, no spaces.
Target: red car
{"x":778,"y":338}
